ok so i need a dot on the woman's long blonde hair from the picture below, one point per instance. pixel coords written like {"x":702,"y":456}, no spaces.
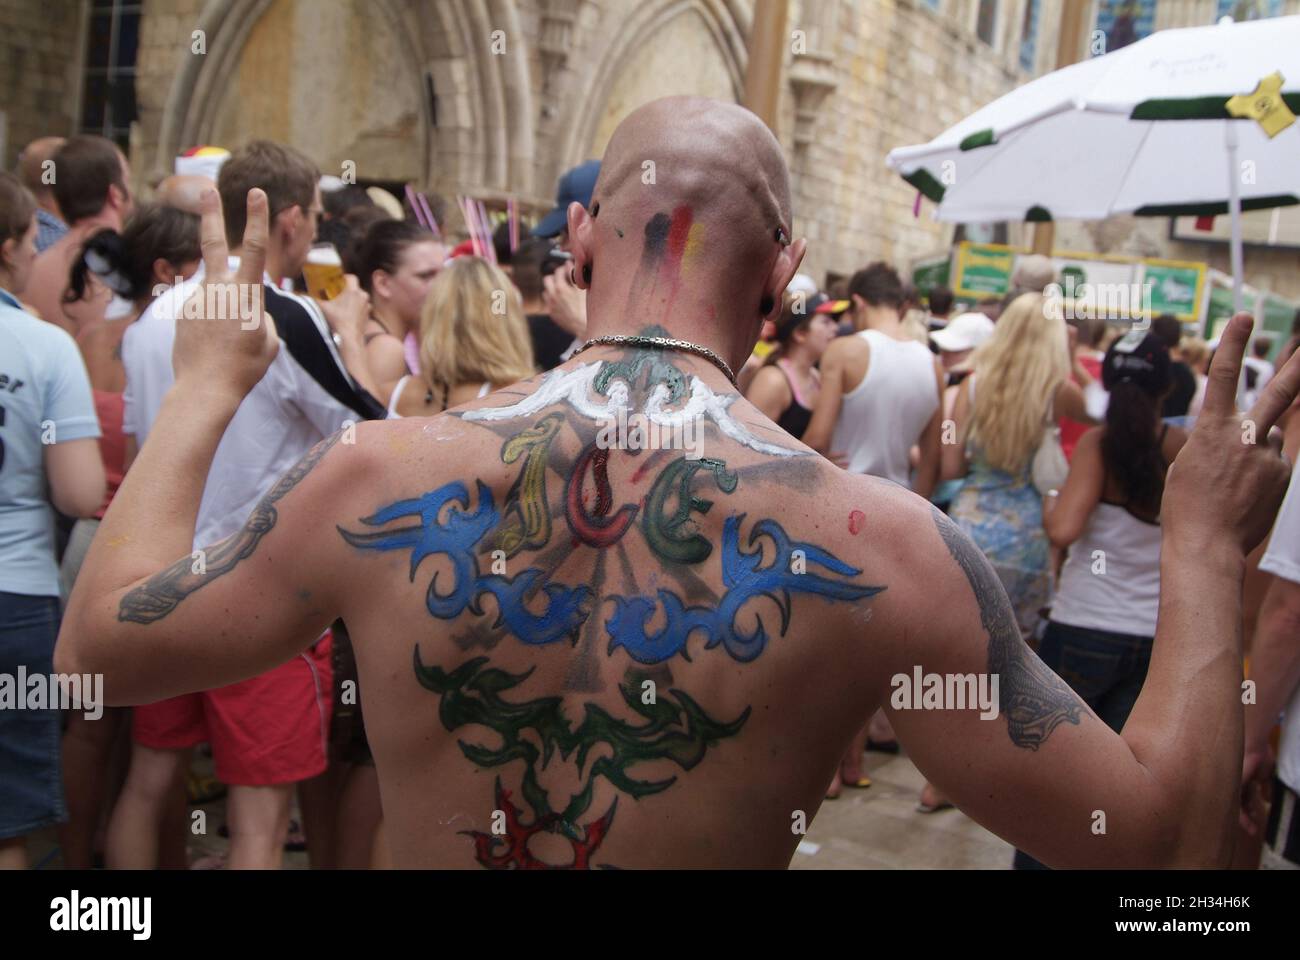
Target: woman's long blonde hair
{"x":1018,"y":371}
{"x":472,"y":328}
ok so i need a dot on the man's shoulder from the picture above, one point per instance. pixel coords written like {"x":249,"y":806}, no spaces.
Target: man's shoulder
{"x":292,"y":312}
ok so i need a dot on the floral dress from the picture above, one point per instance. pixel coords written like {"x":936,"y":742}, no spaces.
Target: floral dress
{"x":1003,"y":514}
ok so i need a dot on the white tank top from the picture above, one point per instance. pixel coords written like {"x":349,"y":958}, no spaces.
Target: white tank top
{"x":1111,"y":580}
{"x":397,"y":392}
{"x":883,"y":416}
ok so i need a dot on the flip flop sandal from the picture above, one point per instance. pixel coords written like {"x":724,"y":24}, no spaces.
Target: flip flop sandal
{"x":296,"y":840}
{"x":933,"y":808}
{"x":859,"y":784}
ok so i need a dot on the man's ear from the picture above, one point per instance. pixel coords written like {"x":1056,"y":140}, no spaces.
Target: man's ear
{"x":7,"y":252}
{"x":858,"y":303}
{"x":284,"y":226}
{"x":164,"y":273}
{"x":782,"y":272}
{"x":582,"y":229}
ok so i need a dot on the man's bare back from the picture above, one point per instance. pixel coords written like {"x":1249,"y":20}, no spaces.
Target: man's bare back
{"x":574,"y":653}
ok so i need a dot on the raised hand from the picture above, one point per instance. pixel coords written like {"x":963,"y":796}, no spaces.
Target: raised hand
{"x":348,"y":312}
{"x":224,"y":340}
{"x":565,"y":302}
{"x":1227,"y":483}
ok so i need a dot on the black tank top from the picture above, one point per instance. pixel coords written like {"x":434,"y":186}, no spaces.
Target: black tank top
{"x":795,"y":418}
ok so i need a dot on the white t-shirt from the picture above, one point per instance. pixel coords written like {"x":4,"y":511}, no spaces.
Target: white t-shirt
{"x":1282,"y":559}
{"x":305,"y":396}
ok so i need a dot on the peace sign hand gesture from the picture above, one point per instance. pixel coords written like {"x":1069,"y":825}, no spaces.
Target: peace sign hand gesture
{"x":224,"y":341}
{"x":1227,"y":483}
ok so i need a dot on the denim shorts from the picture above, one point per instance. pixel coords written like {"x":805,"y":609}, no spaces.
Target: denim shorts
{"x":1105,"y":669}
{"x":31,"y":785}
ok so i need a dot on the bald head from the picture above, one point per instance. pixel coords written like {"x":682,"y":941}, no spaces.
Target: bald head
{"x":717,"y":158}
{"x":183,"y":190}
{"x":32,"y":166}
{"x":690,"y":222}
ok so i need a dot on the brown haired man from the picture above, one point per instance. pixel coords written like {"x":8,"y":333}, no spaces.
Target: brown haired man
{"x":266,"y":730}
{"x":34,"y":171}
{"x":585,"y":654}
{"x":91,"y":178}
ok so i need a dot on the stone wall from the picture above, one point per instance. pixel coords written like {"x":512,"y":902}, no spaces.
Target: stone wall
{"x":41,"y":44}
{"x":512,"y":110}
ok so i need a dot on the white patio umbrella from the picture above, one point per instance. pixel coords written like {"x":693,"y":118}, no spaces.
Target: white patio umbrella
{"x":1144,"y":130}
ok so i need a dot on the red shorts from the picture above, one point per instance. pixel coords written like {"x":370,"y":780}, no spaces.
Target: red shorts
{"x":269,"y":729}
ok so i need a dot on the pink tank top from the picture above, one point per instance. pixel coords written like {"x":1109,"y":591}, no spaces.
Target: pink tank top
{"x":112,"y":442}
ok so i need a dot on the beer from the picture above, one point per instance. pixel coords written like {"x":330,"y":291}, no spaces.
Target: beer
{"x":323,"y":272}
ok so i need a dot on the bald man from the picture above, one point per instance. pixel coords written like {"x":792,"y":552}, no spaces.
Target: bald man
{"x":184,"y":191}
{"x":613,"y":616}
{"x":34,"y":171}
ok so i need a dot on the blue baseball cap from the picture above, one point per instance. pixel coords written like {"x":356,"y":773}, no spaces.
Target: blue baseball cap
{"x":576,"y":185}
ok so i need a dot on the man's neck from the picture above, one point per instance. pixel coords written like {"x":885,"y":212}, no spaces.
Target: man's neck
{"x":691,"y":312}
{"x":885,"y":319}
{"x":47,"y":204}
{"x":104,"y":220}
{"x":534,"y":305}
{"x":274,"y":263}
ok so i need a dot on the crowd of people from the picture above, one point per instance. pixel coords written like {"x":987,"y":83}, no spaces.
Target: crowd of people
{"x":1046,"y":442}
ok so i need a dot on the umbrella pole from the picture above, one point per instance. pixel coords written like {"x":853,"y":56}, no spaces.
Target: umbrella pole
{"x":1234,"y":212}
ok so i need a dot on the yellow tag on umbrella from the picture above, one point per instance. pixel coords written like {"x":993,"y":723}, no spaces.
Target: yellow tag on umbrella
{"x":1264,"y":105}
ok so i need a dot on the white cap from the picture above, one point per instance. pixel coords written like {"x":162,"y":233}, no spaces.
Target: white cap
{"x":964,"y":332}
{"x":802,"y":283}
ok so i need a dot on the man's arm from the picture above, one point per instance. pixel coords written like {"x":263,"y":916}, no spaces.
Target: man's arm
{"x":1045,"y":773}
{"x":952,"y":456}
{"x":927,"y":470}
{"x":1274,"y":666}
{"x":830,"y":397}
{"x":346,"y":315}
{"x":157,"y":618}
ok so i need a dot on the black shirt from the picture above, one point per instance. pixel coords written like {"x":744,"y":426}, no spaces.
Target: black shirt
{"x":1179,"y":400}
{"x":549,"y":341}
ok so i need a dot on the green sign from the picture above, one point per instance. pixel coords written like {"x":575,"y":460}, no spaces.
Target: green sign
{"x":983,"y":270}
{"x":929,"y":274}
{"x":1173,"y":289}
{"x":1220,"y":307}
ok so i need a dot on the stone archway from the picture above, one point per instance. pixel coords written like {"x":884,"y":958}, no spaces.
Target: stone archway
{"x":591,"y":118}
{"x":484,"y":136}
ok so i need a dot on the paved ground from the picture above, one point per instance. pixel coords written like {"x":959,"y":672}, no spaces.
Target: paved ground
{"x":879,"y":828}
{"x":874,"y":828}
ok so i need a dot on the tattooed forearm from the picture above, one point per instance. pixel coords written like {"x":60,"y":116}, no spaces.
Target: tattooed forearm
{"x":162,"y":592}
{"x":1032,"y":698}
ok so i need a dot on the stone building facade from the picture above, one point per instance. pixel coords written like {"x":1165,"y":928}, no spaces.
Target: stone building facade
{"x":496,"y":98}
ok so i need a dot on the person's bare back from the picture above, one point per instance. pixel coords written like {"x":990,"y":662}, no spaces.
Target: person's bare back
{"x":599,"y":656}
{"x":577,"y":651}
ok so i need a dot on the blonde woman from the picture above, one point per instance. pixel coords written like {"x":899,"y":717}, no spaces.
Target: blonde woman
{"x":473,"y":339}
{"x":1020,"y":383}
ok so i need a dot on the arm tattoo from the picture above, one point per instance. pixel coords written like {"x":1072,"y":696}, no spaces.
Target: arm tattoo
{"x":1032,"y":698}
{"x":161,"y":593}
